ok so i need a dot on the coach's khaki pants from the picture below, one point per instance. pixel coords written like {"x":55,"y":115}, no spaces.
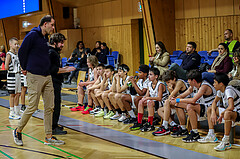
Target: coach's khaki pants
{"x":39,"y":85}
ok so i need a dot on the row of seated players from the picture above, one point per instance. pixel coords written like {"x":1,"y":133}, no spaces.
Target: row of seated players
{"x":197,"y":97}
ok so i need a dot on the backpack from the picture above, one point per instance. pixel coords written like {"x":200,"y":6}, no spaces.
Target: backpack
{"x":204,"y":67}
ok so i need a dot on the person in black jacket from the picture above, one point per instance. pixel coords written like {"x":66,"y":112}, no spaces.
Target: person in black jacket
{"x":191,"y":60}
{"x":97,"y":46}
{"x":102,"y":54}
{"x":56,"y":44}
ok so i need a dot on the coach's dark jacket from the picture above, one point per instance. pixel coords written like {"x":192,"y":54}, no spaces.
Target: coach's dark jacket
{"x":33,"y":53}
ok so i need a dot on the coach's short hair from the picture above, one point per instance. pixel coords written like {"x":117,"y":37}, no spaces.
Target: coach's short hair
{"x":46,"y":18}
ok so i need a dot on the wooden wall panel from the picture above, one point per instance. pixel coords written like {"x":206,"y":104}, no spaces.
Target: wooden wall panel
{"x":62,"y":23}
{"x":236,"y":4}
{"x":163,"y":18}
{"x":107,"y":14}
{"x":207,"y":8}
{"x":116,"y":12}
{"x":135,"y":45}
{"x":191,"y":8}
{"x":224,"y":7}
{"x":2,"y":35}
{"x":126,"y":11}
{"x":11,"y":27}
{"x":90,"y":12}
{"x":98,"y":15}
{"x":90,"y":36}
{"x":118,"y":38}
{"x":72,"y":36}
{"x":112,"y":24}
{"x":207,"y":32}
{"x":135,"y":13}
{"x":179,"y":9}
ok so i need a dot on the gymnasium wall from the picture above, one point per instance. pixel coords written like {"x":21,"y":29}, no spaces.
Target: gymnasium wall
{"x":111,"y":22}
{"x":204,"y":22}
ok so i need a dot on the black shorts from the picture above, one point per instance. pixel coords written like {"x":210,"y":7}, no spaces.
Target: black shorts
{"x":156,"y":105}
{"x":202,"y":110}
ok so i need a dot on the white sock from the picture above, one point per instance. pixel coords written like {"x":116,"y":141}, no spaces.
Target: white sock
{"x":116,"y":113}
{"x":165,"y":124}
{"x":173,"y":123}
{"x":11,"y":110}
{"x":195,"y":130}
{"x":211,"y":131}
{"x":131,"y":113}
{"x":183,"y":127}
{"x":17,"y":109}
{"x":225,"y":138}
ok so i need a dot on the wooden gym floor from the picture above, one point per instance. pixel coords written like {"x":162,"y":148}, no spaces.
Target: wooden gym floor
{"x":90,"y":137}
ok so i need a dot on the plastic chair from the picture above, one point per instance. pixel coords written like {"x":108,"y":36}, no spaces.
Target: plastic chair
{"x":172,"y":59}
{"x":203,"y":54}
{"x":64,"y":61}
{"x":214,"y":54}
{"x":203,"y":60}
{"x":178,"y":61}
{"x":115,"y":54}
{"x":111,"y":60}
{"x":177,"y":53}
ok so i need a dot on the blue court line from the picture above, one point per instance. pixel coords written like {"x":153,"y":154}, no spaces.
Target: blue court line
{"x":134,"y":142}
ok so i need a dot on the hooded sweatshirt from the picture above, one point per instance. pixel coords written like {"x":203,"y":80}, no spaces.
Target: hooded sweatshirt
{"x":33,"y":53}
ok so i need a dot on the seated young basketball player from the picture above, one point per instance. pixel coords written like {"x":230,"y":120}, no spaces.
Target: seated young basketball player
{"x":141,"y":88}
{"x":92,"y":62}
{"x":203,"y":94}
{"x":175,"y":87}
{"x":121,"y":79}
{"x":106,"y":87}
{"x":95,"y":86}
{"x":230,"y":113}
{"x":155,"y":93}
